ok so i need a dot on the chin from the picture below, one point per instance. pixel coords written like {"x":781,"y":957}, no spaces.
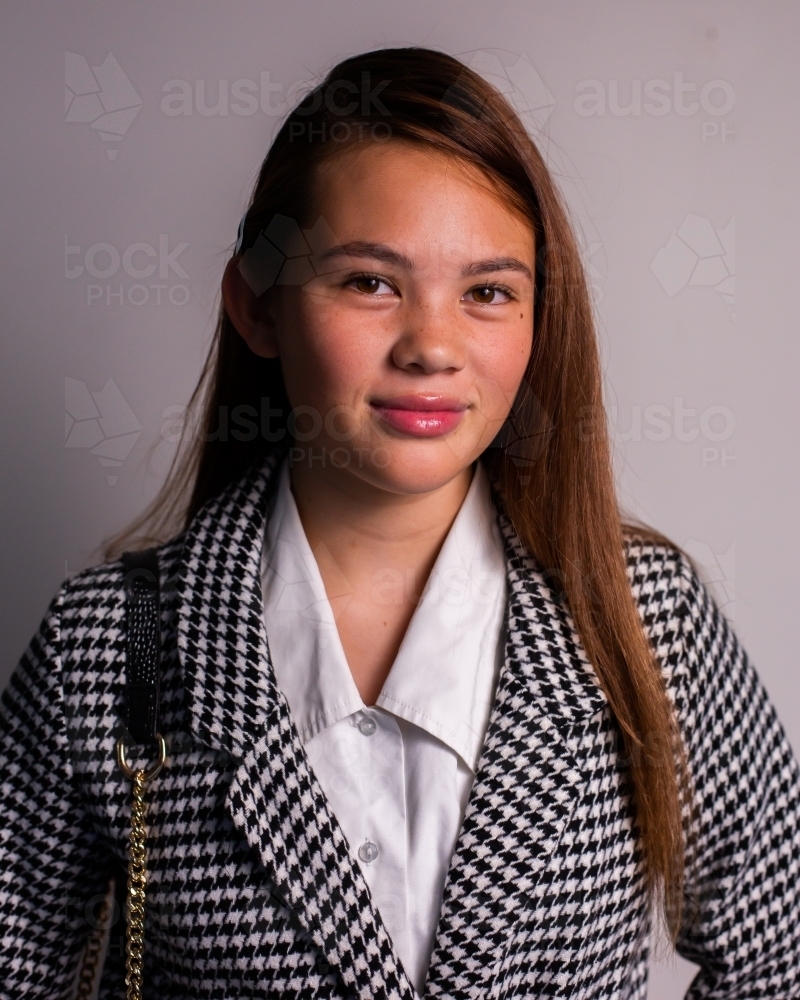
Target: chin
{"x":418,"y":467}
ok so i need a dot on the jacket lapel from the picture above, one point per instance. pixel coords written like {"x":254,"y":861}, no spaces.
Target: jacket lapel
{"x":541,"y":745}
{"x":235,"y":707}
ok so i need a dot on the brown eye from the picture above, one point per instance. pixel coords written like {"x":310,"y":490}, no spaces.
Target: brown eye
{"x":366,"y":284}
{"x":372,"y":285}
{"x":484,"y":295}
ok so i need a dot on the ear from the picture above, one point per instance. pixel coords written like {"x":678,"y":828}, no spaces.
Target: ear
{"x":253,"y":316}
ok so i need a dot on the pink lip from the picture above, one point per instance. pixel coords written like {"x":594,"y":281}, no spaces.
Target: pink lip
{"x":421,"y":416}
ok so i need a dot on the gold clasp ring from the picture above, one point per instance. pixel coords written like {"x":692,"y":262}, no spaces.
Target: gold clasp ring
{"x":129,"y":772}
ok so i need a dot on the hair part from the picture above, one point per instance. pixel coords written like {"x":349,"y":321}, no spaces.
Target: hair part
{"x":551,"y":461}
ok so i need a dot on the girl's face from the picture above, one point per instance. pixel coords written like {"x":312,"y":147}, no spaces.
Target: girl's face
{"x":403,"y":354}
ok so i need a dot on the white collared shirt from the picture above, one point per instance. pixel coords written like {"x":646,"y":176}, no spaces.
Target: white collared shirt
{"x":398,"y":774}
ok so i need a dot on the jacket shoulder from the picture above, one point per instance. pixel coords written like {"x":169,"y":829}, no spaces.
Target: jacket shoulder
{"x":660,"y":575}
{"x":92,"y":608}
{"x":669,"y":595}
{"x":694,"y":643}
{"x":104,"y":582}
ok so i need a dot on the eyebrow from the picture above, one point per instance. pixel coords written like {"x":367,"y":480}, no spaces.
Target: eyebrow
{"x":379,"y":251}
{"x":496,"y":264}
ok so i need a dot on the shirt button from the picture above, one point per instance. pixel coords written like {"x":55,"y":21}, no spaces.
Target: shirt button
{"x":368,"y":851}
{"x":368,"y":726}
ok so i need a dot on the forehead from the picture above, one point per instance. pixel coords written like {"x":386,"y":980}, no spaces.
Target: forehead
{"x":408,"y":193}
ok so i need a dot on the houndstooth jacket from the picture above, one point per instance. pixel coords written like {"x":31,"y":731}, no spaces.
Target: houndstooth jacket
{"x":252,"y":888}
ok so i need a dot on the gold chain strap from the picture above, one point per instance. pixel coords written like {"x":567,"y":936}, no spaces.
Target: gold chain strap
{"x":137,"y":878}
{"x":137,"y":870}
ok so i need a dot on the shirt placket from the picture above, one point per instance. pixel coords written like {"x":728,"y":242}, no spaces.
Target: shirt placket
{"x":382,"y":846}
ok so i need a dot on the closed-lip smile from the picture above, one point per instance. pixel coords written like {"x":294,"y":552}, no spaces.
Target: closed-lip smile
{"x":420,"y":414}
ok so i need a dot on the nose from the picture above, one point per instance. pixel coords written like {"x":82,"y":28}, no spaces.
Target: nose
{"x":431,"y":342}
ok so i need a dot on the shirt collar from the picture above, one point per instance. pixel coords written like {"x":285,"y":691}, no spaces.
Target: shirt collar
{"x":444,"y":676}
{"x":445,"y":672}
{"x":306,"y":652}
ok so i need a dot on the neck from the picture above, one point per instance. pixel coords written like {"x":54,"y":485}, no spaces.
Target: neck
{"x":361,"y":524}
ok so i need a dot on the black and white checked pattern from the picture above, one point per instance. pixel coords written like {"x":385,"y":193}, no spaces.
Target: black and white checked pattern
{"x":252,"y":891}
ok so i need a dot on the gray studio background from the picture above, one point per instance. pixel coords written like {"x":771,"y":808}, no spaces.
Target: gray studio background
{"x":673,"y":128}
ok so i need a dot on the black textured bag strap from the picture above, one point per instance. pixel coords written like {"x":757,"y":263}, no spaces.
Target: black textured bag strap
{"x":143,"y":614}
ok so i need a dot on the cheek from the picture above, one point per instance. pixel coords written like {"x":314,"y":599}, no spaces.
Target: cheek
{"x":327,"y":356}
{"x":500,"y":363}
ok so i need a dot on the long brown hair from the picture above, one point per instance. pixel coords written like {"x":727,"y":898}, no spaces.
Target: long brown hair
{"x":552,"y":459}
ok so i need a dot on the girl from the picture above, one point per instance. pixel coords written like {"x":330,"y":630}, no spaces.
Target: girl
{"x":436,"y":722}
